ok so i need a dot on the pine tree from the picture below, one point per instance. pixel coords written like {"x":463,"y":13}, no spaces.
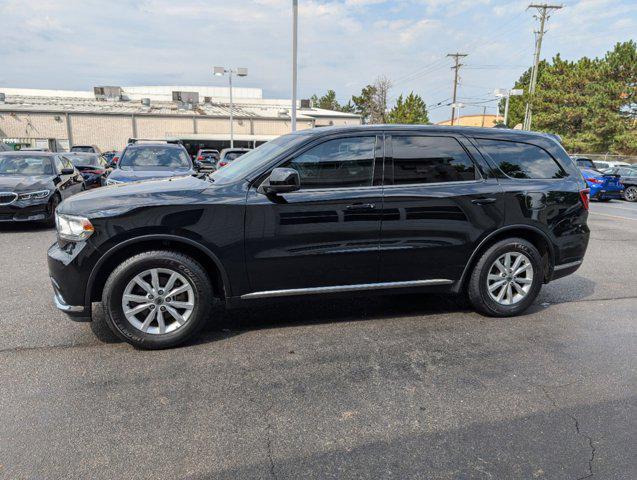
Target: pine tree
{"x":412,"y":110}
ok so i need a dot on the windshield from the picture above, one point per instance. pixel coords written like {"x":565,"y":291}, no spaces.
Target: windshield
{"x":84,"y":160}
{"x":233,"y":155}
{"x":155,"y":158}
{"x":256,"y":158}
{"x":25,"y":165}
{"x":82,"y":149}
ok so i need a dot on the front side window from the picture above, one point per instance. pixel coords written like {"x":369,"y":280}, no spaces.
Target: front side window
{"x":522,"y":160}
{"x":339,"y":163}
{"x":420,"y":159}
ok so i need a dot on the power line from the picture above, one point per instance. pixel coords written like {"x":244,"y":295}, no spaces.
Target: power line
{"x":543,"y":12}
{"x":456,"y":57}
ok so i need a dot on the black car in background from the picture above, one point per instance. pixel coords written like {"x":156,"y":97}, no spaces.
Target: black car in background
{"x":32,"y":184}
{"x":151,"y":161}
{"x":628,"y":177}
{"x":206,"y":160}
{"x":491,"y":212}
{"x":93,"y":167}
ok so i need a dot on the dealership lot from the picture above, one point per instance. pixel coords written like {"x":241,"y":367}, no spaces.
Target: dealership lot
{"x":382,"y":387}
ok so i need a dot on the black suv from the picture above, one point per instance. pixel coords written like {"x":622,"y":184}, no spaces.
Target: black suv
{"x":490,"y":212}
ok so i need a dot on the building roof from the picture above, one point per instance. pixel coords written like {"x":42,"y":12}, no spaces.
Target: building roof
{"x":61,"y":101}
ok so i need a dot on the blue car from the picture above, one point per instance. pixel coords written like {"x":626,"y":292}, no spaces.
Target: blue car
{"x":151,"y":161}
{"x":603,"y":186}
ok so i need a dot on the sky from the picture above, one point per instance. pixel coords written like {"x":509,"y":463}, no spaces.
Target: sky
{"x":343,"y":44}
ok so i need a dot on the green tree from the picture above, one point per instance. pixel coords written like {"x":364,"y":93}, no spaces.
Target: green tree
{"x":364,"y":103}
{"x":371,"y":104}
{"x":411,"y":110}
{"x":327,"y":101}
{"x":590,"y":103}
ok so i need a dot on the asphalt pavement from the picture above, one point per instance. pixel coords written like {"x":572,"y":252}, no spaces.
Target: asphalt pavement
{"x":394,"y":387}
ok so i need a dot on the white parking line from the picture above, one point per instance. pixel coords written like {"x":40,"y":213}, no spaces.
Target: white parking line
{"x":613,"y":216}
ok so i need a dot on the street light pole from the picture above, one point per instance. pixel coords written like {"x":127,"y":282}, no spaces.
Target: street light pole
{"x":240,"y":72}
{"x":295,"y":24}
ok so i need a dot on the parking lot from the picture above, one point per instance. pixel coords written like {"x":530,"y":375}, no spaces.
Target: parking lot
{"x":374,"y":387}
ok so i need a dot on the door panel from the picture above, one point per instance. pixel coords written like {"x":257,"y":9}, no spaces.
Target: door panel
{"x":317,"y":237}
{"x":429,"y":230}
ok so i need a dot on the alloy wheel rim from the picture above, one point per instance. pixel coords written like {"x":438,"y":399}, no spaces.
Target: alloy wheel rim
{"x":158,"y":301}
{"x":631,"y":193}
{"x":510,"y":278}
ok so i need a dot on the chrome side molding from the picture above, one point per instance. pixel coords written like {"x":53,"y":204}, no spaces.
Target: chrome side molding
{"x":346,"y":288}
{"x":566,"y":265}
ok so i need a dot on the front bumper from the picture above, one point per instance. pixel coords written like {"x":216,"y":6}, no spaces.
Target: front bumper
{"x":24,"y":211}
{"x":69,"y":279}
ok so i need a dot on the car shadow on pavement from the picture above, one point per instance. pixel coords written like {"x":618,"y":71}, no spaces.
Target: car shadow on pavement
{"x":283,"y":313}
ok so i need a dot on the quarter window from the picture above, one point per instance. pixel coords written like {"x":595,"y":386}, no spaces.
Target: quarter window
{"x":343,"y":162}
{"x":522,"y":160}
{"x":419,"y":159}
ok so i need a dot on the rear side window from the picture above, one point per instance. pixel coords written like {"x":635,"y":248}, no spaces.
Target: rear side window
{"x":420,"y":159}
{"x":521,"y":160}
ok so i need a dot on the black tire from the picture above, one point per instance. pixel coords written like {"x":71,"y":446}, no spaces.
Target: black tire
{"x":630,"y":193}
{"x":114,"y":288}
{"x":49,"y":221}
{"x":477,"y":290}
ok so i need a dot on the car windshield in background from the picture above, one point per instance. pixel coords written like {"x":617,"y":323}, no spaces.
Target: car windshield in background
{"x":92,"y":160}
{"x":233,"y":155}
{"x":256,"y":158}
{"x":25,"y":165}
{"x":155,"y":158}
{"x":585,"y":163}
{"x":82,"y":149}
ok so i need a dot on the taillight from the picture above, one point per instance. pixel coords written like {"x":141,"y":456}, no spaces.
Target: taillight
{"x":199,"y":157}
{"x":584,"y":196}
{"x":115,"y":159}
{"x":594,"y":180}
{"x":223,"y":164}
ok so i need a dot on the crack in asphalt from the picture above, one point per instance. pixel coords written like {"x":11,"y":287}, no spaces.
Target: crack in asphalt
{"x":579,"y":433}
{"x":268,"y":432}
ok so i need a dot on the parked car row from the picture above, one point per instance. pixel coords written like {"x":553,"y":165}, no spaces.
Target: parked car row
{"x":611,"y":183}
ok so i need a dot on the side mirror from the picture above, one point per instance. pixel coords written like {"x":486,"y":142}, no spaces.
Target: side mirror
{"x":67,"y":171}
{"x":281,"y":180}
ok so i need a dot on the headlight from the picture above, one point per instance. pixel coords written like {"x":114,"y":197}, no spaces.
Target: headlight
{"x":39,"y":195}
{"x":110,"y":181}
{"x":73,"y":228}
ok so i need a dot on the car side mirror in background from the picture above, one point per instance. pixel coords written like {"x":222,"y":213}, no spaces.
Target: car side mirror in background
{"x":67,"y":171}
{"x":281,"y":180}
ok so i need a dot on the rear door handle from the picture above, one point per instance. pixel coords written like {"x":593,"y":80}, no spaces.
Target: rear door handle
{"x":484,"y":201}
{"x":360,"y":206}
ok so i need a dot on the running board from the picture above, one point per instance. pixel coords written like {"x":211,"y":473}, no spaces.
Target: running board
{"x":346,"y":288}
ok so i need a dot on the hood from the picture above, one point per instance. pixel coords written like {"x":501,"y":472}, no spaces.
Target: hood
{"x":139,"y":175}
{"x":117,"y":199}
{"x":22,"y":183}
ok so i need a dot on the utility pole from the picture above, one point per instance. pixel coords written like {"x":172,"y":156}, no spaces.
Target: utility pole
{"x":456,"y":56}
{"x":295,"y":27}
{"x":543,"y":16}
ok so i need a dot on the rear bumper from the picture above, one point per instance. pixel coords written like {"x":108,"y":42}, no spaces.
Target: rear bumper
{"x":565,"y":269}
{"x":599,"y":193}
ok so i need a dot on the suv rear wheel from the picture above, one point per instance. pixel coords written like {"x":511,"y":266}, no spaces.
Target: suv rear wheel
{"x":506,"y":279}
{"x":157,"y":299}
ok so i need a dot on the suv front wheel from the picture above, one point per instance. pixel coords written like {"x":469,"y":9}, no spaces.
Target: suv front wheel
{"x":506,"y":279}
{"x":157,"y":299}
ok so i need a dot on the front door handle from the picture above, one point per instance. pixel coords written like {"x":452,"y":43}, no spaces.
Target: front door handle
{"x":360,"y":206}
{"x":484,"y":201}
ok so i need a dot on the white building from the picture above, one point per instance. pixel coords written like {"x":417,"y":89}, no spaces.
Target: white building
{"x":109,"y":116}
